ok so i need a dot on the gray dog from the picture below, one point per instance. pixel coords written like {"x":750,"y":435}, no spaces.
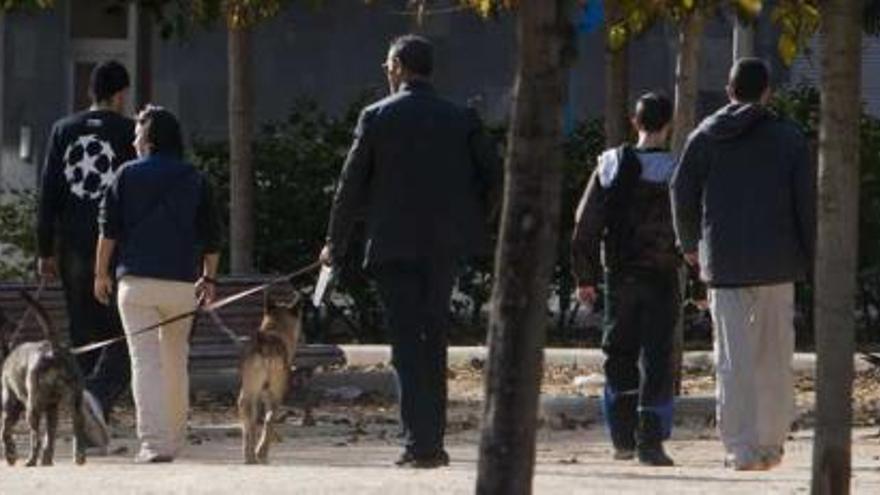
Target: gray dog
{"x":38,"y":377}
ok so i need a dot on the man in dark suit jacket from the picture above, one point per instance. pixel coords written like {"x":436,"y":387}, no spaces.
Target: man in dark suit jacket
{"x":423,"y":176}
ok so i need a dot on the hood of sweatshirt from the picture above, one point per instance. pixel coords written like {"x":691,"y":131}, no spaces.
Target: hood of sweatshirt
{"x":734,"y":120}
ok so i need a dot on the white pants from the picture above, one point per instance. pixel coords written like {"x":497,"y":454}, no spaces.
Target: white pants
{"x":159,"y":379}
{"x":754,"y":344}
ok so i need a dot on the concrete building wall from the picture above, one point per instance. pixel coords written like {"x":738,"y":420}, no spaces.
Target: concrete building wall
{"x":332,"y":55}
{"x":807,"y":69}
{"x":34,"y":90}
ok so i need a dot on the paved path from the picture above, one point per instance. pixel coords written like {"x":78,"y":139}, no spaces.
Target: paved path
{"x":368,"y":355}
{"x":323,"y":461}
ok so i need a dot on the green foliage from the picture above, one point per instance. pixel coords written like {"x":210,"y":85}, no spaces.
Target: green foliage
{"x":485,"y":8}
{"x":634,"y":17}
{"x":296,"y":164}
{"x":797,"y":20}
{"x":580,"y":151}
{"x":18,"y":212}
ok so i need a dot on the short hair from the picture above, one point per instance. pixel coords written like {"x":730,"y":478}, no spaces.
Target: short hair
{"x":749,"y":78}
{"x":162,"y":131}
{"x":416,"y":54}
{"x":653,"y":111}
{"x":107,"y":79}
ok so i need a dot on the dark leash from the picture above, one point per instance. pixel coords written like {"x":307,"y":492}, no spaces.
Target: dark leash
{"x":210,"y":309}
{"x":27,"y":312}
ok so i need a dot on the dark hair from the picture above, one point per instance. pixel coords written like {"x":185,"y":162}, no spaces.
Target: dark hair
{"x":107,"y":79}
{"x":653,"y":111}
{"x":162,"y":130}
{"x":749,"y":78}
{"x":416,"y":54}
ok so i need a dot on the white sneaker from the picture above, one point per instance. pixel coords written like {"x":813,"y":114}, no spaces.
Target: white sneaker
{"x":96,"y":431}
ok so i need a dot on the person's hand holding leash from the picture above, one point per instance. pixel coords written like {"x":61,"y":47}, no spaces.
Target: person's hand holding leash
{"x":103,"y":288}
{"x":47,"y":268}
{"x":206,"y":289}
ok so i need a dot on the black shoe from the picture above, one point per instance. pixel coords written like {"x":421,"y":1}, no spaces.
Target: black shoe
{"x":654,"y":456}
{"x":624,"y":454}
{"x":408,"y":459}
{"x":649,"y":441}
{"x":144,"y":457}
{"x":405,"y":459}
{"x":439,"y":459}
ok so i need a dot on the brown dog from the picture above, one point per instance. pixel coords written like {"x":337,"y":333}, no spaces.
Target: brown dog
{"x":37,"y":378}
{"x":265,"y":375}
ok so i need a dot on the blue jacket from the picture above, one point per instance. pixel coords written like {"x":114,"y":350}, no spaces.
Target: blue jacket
{"x":161,"y":213}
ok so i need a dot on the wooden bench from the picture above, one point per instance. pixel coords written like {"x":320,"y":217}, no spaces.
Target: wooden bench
{"x":210,"y":349}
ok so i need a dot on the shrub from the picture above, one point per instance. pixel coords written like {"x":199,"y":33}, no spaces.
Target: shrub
{"x":18,"y":211}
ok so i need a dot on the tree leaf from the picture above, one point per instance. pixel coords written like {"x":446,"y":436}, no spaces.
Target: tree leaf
{"x":617,"y":37}
{"x":788,"y":49}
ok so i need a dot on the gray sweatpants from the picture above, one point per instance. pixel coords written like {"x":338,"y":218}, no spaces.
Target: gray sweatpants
{"x":754,"y":343}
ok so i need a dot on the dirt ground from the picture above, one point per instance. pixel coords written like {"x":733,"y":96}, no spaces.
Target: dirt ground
{"x":351,"y":448}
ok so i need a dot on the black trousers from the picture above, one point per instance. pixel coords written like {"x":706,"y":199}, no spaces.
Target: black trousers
{"x":640,"y":314}
{"x":107,"y":371}
{"x":416,"y":296}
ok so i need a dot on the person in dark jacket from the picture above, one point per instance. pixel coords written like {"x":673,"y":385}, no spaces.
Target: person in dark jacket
{"x":422,"y":175}
{"x":159,"y":217}
{"x":744,"y":206}
{"x":84,"y":152}
{"x":625,"y":208}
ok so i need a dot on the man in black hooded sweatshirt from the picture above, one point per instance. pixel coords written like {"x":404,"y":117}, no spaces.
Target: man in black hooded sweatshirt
{"x":84,"y":152}
{"x":625,"y":209}
{"x":744,"y":206}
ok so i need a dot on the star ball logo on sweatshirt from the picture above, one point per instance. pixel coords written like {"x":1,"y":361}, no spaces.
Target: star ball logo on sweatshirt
{"x":89,"y":167}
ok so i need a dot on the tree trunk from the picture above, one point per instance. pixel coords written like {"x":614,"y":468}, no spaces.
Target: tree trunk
{"x":686,"y":79}
{"x":526,"y":251}
{"x":837,"y":241}
{"x":743,"y":39}
{"x":616,"y":85}
{"x":241,"y":174}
